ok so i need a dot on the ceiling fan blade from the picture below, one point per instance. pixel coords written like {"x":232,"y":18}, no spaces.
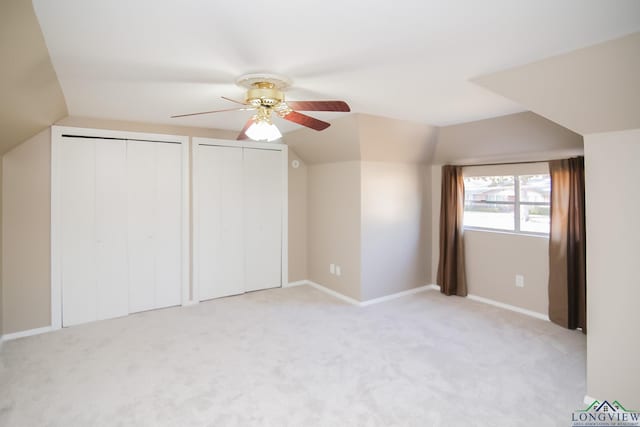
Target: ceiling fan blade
{"x":211,"y":112}
{"x":233,"y":100}
{"x":304,"y":120}
{"x":243,"y":132}
{"x":319,"y":105}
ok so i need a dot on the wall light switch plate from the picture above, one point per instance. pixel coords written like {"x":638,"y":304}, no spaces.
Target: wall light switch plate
{"x":519,"y":281}
{"x":338,"y":271}
{"x":332,"y":268}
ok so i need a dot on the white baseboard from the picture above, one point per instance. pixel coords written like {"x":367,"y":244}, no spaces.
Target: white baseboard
{"x":190,"y":303}
{"x":396,"y":295}
{"x":509,"y":307}
{"x":27,"y":333}
{"x":297,"y":283}
{"x":333,"y":293}
{"x":355,"y":302}
{"x":503,"y":305}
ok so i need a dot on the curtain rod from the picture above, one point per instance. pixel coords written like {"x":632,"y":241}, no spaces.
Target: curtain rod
{"x":524,"y":162}
{"x":505,"y":163}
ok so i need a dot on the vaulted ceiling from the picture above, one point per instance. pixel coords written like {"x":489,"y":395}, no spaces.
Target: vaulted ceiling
{"x":145,"y":60}
{"x":410,"y":60}
{"x":589,"y":90}
{"x":30,"y":96}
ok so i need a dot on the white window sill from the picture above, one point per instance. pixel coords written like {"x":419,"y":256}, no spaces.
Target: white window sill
{"x":511,"y":233}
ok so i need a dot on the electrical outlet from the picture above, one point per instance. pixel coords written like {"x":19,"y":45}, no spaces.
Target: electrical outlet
{"x":519,"y":281}
{"x":338,"y":271}
{"x":332,"y":268}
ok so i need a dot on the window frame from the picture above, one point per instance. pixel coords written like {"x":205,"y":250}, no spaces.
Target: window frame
{"x":513,"y":171}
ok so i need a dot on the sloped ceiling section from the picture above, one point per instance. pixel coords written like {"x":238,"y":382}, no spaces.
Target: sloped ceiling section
{"x":31,"y":95}
{"x":590,"y":90}
{"x":516,"y":137}
{"x":338,"y":143}
{"x":365,"y":137}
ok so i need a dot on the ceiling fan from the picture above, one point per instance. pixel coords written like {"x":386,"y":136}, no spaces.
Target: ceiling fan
{"x":265,"y":94}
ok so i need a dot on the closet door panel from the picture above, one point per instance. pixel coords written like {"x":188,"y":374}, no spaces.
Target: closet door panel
{"x":111,"y":229}
{"x":221,"y":249}
{"x":263,"y":218}
{"x":141,"y":220}
{"x":210,"y":221}
{"x":168,"y":225}
{"x":78,"y":245}
{"x":232,"y":232}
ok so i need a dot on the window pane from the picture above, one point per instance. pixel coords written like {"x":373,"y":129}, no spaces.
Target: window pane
{"x":534,"y":219}
{"x":489,"y":215}
{"x":535,"y":188}
{"x":489,"y":188}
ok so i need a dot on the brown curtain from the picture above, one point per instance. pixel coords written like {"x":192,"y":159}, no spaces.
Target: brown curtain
{"x":567,"y":246}
{"x":451,"y":274}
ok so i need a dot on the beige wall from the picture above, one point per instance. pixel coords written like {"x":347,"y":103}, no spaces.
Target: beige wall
{"x":26,"y":226}
{"x":338,"y":143}
{"x":395,"y":228}
{"x":334,"y":225}
{"x":297,"y":219}
{"x":494,"y":259}
{"x":389,"y":140}
{"x":385,"y":157}
{"x":613,"y":284}
{"x":31,"y":95}
{"x":517,"y":137}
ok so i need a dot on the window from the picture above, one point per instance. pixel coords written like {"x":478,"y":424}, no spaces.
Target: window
{"x":516,"y":203}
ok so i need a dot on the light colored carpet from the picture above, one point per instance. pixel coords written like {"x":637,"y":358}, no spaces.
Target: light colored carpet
{"x":298,"y":357}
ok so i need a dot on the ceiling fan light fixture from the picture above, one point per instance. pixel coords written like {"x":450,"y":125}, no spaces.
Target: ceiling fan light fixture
{"x":262,"y":130}
{"x":265,"y":94}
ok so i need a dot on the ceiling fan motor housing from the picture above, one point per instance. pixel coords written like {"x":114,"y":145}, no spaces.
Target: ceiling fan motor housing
{"x":263,"y":89}
{"x":264,"y":94}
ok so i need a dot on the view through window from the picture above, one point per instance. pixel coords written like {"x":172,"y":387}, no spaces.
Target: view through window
{"x":516,"y":203}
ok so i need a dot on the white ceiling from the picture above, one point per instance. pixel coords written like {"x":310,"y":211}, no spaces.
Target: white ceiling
{"x":145,"y":60}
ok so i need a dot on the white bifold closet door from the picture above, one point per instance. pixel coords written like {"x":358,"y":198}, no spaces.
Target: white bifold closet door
{"x":94,"y":243}
{"x":239,"y":220}
{"x":154,"y":200}
{"x":120,"y":218}
{"x":262,"y":218}
{"x":221,"y":232}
